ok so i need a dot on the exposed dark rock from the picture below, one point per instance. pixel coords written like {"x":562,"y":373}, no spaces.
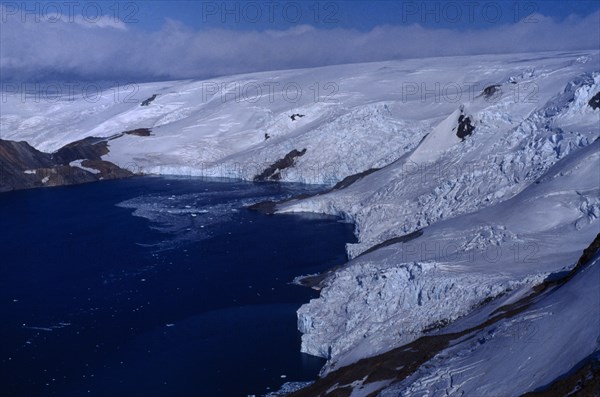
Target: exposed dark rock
{"x":295,"y":116}
{"x":269,"y":207}
{"x":107,"y":169}
{"x":273,"y":172}
{"x":490,"y":91}
{"x":267,"y":136}
{"x":317,"y":281}
{"x":91,"y":148}
{"x":465,"y":128}
{"x":17,"y":158}
{"x":402,"y":239}
{"x":587,"y":256}
{"x":139,"y":132}
{"x":344,"y":183}
{"x":595,"y":101}
{"x":264,"y":207}
{"x":149,"y":100}
{"x":350,"y":179}
{"x":22,"y":155}
{"x":24,"y":167}
{"x":62,"y":175}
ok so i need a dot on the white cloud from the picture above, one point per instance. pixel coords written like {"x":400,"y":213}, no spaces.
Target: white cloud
{"x":103,"y":21}
{"x":108,"y":49}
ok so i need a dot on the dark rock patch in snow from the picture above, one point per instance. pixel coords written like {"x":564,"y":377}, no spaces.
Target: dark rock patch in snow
{"x":587,"y":256}
{"x":295,"y":116}
{"x":401,"y":239}
{"x":490,"y":92}
{"x":149,"y":100}
{"x":465,"y":128}
{"x":317,"y":281}
{"x":270,"y":207}
{"x":594,"y":103}
{"x":350,"y":179}
{"x":273,"y":172}
{"x":139,"y":132}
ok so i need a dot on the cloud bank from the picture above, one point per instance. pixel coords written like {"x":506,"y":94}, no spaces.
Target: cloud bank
{"x":42,"y":50}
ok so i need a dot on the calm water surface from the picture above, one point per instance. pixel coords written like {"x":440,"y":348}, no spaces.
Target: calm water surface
{"x":156,"y":287}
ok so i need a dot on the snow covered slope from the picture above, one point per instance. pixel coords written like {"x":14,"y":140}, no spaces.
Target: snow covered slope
{"x":532,"y":342}
{"x":514,"y":143}
{"x":483,"y":178}
{"x":389,"y":297}
{"x":355,"y":117}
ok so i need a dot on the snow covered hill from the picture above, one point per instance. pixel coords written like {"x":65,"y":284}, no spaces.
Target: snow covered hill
{"x":388,"y":297}
{"x":470,"y":180}
{"x":355,"y":117}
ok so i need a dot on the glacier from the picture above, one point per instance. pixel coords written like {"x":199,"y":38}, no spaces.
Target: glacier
{"x":451,"y":225}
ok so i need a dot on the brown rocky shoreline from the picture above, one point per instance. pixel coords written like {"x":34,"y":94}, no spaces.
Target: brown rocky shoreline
{"x":24,"y":167}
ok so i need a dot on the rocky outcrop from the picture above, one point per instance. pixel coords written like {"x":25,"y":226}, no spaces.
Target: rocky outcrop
{"x":350,"y":179}
{"x":18,"y":164}
{"x":401,"y":239}
{"x":85,"y":149}
{"x":595,"y":101}
{"x":490,"y":91}
{"x":270,"y":207}
{"x":149,"y":100}
{"x":139,"y":132}
{"x":264,"y":207}
{"x":24,"y":167}
{"x":273,"y":172}
{"x":465,"y":128}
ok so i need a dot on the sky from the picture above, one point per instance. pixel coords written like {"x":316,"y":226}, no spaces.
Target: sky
{"x":158,"y":40}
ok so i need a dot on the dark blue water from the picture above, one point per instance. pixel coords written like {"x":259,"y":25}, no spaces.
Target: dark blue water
{"x":156,"y":287}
